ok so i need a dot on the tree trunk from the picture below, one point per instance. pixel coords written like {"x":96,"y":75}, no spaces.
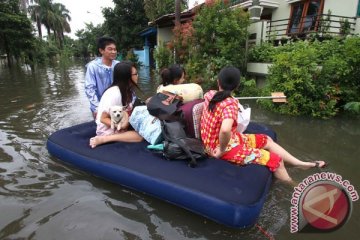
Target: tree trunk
{"x":38,"y":24}
{"x":49,"y":32}
{"x":7,"y":50}
{"x":177,"y":12}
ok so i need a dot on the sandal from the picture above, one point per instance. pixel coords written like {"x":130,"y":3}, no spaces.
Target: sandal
{"x":317,"y":164}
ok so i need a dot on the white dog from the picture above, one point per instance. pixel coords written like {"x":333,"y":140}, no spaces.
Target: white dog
{"x":119,"y":117}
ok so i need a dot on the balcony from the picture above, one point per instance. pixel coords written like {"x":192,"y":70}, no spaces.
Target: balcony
{"x":241,"y":3}
{"x":323,"y":25}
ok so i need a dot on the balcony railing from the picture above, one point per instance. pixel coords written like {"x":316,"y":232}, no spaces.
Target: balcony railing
{"x":236,"y":2}
{"x":320,"y":25}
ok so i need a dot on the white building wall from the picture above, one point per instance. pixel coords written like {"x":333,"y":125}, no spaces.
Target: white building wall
{"x":282,"y":12}
{"x":346,"y":8}
{"x":164,"y":35}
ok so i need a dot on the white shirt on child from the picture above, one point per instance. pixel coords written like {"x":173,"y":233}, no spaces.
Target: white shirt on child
{"x":111,"y":97}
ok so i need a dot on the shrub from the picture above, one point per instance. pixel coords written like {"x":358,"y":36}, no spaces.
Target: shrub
{"x":296,"y":73}
{"x":163,"y":56}
{"x":353,"y":107}
{"x":319,"y":78}
{"x":218,"y":40}
{"x":263,"y":53}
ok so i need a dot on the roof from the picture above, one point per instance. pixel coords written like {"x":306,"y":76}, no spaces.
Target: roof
{"x":148,"y":31}
{"x":168,"y":20}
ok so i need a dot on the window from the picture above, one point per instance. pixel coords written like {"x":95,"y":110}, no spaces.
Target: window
{"x":358,"y":11}
{"x":304,"y":16}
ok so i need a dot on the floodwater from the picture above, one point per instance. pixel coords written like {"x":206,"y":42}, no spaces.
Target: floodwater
{"x":42,"y":198}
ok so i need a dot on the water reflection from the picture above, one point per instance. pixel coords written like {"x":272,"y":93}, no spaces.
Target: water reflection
{"x":43,"y":198}
{"x":148,"y":81}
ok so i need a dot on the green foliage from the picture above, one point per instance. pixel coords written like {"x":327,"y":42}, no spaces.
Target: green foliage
{"x":16,"y":37}
{"x":345,"y":27}
{"x":54,"y":16}
{"x":324,"y":24}
{"x":248,"y":88}
{"x":124,"y":23}
{"x":163,"y":56}
{"x":263,"y":53}
{"x":131,"y":56}
{"x":85,"y":45}
{"x":318,"y":78}
{"x":341,"y":67}
{"x":353,"y":107}
{"x":219,"y":37}
{"x":183,"y":42}
{"x":205,"y":71}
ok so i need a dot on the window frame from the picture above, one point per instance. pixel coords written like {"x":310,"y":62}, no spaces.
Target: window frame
{"x":305,"y":4}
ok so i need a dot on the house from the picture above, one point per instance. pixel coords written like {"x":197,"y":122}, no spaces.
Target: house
{"x":166,"y":23}
{"x":145,"y":56}
{"x":280,"y":20}
{"x":158,"y":33}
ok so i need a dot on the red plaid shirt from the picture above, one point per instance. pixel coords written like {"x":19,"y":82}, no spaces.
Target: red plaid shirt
{"x":211,"y":121}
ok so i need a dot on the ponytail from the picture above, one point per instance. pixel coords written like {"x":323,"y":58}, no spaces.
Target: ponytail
{"x":218,"y":97}
{"x":229,"y":79}
{"x":166,"y":77}
{"x":172,"y":74}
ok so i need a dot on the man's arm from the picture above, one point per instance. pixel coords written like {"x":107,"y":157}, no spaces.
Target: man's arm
{"x":91,"y":88}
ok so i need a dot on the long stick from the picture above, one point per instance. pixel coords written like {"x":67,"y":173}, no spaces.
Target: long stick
{"x":277,"y":97}
{"x":267,"y":97}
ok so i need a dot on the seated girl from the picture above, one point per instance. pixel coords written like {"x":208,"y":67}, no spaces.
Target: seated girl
{"x":120,"y":93}
{"x":221,"y":139}
{"x":173,"y":75}
{"x":173,"y":79}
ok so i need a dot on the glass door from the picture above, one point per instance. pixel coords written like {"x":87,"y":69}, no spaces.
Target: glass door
{"x":304,"y":16}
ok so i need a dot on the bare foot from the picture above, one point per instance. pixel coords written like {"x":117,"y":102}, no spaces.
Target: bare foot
{"x":318,"y":164}
{"x":288,"y":182}
{"x":95,"y":141}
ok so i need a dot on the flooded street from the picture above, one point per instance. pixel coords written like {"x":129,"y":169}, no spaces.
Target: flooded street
{"x":43,"y":198}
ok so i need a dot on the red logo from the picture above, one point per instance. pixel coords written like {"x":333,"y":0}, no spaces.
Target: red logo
{"x":325,"y":206}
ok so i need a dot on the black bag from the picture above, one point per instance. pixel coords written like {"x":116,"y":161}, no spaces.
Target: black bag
{"x":164,"y":105}
{"x":138,"y":102}
{"x":177,"y":146}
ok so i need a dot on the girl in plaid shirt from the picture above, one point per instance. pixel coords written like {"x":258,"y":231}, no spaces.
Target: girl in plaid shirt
{"x":221,"y":139}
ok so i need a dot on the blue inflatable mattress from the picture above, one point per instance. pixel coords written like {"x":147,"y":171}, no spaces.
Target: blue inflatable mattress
{"x":218,"y":190}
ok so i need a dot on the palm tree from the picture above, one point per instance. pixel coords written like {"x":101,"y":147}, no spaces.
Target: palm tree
{"x":35,"y":12}
{"x":41,"y":13}
{"x":60,"y":23}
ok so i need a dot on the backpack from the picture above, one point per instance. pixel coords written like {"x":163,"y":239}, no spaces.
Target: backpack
{"x":177,"y":146}
{"x":164,"y":105}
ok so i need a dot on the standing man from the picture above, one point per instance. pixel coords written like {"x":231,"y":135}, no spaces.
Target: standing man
{"x":99,"y":72}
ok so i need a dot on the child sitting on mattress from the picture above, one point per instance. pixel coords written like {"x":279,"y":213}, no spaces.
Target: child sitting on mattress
{"x":221,"y":139}
{"x":173,"y":75}
{"x":172,"y":80}
{"x":120,"y":93}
